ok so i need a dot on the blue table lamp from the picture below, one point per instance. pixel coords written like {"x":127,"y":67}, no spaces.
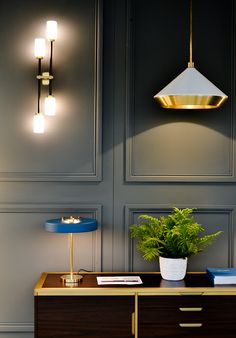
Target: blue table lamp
{"x":71,"y":225}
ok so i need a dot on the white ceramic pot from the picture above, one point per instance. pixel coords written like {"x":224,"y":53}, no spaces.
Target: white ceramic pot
{"x":173,"y":268}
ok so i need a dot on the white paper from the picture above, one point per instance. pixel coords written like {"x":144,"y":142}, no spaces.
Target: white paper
{"x":121,"y":280}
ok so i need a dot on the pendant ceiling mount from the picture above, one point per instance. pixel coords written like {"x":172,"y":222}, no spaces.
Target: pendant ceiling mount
{"x":190,"y":90}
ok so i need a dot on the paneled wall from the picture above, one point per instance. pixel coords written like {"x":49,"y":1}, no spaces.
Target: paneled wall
{"x":57,"y":173}
{"x":164,"y":157}
{"x":111,"y":152}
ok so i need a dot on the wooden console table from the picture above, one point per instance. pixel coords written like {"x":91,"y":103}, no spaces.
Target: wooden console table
{"x":156,"y":309}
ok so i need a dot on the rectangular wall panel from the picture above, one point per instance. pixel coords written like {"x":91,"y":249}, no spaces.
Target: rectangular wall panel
{"x":176,"y":144}
{"x":26,"y":250}
{"x":213,"y":219}
{"x":70,"y":149}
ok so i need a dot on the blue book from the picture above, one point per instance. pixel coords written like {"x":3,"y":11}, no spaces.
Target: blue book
{"x":222,"y":275}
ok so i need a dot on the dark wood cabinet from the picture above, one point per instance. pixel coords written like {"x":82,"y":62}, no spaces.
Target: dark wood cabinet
{"x":84,"y":316}
{"x":156,"y":309}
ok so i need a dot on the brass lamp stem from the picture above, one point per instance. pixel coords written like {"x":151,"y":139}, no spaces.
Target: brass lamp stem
{"x":70,"y":237}
{"x":191,"y":64}
{"x":71,"y":279}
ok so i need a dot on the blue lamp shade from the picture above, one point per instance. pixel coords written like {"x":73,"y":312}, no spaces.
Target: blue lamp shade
{"x":84,"y":225}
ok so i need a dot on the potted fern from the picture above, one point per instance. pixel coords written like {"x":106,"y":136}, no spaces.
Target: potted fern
{"x":172,"y":238}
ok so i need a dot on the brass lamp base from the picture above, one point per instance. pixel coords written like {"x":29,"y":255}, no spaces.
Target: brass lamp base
{"x":71,"y":280}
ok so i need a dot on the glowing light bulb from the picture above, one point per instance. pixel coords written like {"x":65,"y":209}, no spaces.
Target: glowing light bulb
{"x":50,"y":106}
{"x":51,"y":30}
{"x":39,"y":48}
{"x":38,"y":124}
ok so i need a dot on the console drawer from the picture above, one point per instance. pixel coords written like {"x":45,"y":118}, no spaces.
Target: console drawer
{"x":185,"y":316}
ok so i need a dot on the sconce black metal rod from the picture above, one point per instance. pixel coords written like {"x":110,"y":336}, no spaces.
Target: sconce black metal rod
{"x":39,"y":84}
{"x":50,"y":68}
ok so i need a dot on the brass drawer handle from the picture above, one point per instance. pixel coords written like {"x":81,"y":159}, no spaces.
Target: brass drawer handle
{"x":191,"y":293}
{"x":190,"y":324}
{"x":190,"y":309}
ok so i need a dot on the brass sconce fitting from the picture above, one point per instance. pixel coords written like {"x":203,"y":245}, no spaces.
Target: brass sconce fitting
{"x":45,"y":77}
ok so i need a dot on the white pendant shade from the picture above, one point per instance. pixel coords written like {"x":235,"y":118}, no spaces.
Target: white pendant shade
{"x":190,"y":90}
{"x":191,"y":82}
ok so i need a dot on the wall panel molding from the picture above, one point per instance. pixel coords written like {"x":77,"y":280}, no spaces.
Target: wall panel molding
{"x":16,"y":327}
{"x":138,"y":209}
{"x":134,"y":174}
{"x":90,"y":210}
{"x":26,"y":281}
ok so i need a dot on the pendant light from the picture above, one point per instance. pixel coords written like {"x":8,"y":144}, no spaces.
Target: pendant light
{"x":190,"y":90}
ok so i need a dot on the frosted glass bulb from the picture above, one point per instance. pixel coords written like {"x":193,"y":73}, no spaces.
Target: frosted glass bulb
{"x":39,"y":48}
{"x":38,"y":124}
{"x":50,"y":105}
{"x":51,"y":30}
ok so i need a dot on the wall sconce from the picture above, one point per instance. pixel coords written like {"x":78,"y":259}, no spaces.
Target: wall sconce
{"x":45,"y":78}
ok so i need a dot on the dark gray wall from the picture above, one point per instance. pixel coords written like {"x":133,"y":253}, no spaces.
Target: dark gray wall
{"x":111,"y":152}
{"x":162,"y":157}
